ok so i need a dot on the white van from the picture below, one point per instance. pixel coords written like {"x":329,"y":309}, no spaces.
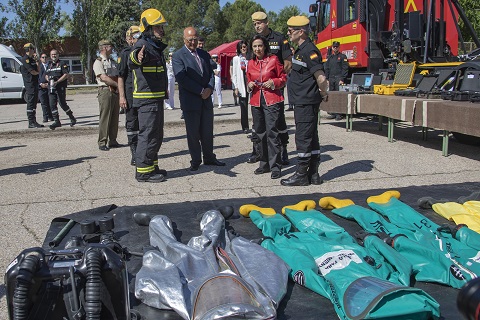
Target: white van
{"x":11,"y":81}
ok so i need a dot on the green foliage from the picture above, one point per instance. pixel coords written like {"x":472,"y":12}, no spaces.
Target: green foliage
{"x":472,"y":11}
{"x":239,"y":17}
{"x":279,"y":23}
{"x":36,"y":21}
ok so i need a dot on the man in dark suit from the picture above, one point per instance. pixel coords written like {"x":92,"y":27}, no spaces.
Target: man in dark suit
{"x":43,"y":89}
{"x":194,"y":75}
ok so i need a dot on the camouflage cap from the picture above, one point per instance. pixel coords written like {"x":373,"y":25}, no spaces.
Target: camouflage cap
{"x":259,"y":15}
{"x":104,"y":43}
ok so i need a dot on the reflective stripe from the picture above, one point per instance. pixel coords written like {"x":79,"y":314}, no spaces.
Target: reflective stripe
{"x":30,"y":111}
{"x":304,"y":155}
{"x":153,"y":69}
{"x":283,"y":131}
{"x":132,"y":57}
{"x":155,"y":162}
{"x":146,"y":169}
{"x":146,"y":95}
{"x":315,"y":151}
{"x":132,"y":133}
{"x":303,"y":64}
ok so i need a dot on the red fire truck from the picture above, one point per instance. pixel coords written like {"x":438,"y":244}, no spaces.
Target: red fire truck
{"x":375,"y":34}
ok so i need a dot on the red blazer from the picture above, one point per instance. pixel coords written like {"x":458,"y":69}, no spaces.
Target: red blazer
{"x":261,"y":71}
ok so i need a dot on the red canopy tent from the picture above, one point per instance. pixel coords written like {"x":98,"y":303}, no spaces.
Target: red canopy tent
{"x":225,"y":53}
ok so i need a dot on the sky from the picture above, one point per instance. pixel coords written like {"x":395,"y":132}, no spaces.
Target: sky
{"x":269,"y":5}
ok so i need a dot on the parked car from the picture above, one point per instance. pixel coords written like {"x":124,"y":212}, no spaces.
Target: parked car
{"x":11,"y":81}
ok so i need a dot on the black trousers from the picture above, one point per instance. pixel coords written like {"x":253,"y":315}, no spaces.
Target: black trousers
{"x":266,"y":120}
{"x":282,"y":124}
{"x":59,"y":96}
{"x":32,"y":99}
{"x":306,"y":136}
{"x":199,"y":127}
{"x":150,"y":136}
{"x":131,"y":122}
{"x":243,"y":102}
{"x":45,"y":103}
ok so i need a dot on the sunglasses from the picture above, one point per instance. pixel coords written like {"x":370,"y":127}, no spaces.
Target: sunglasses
{"x":43,"y":57}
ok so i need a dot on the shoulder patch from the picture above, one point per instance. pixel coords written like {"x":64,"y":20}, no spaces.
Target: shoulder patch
{"x":285,"y":41}
{"x":313,"y":56}
{"x":119,"y":59}
{"x":27,"y":61}
{"x":65,"y":66}
{"x":346,"y":60}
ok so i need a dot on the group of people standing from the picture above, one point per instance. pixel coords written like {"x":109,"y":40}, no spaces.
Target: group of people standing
{"x":45,"y":80}
{"x":259,"y":75}
{"x":260,"y":72}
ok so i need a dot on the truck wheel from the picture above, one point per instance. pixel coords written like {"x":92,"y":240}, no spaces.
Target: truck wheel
{"x":466,"y":139}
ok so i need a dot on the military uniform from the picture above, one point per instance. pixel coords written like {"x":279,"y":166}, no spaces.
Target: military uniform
{"x":306,"y":61}
{"x":336,"y":70}
{"x":30,"y":82}
{"x":149,"y":92}
{"x":108,"y":101}
{"x":131,"y":113}
{"x":58,"y":92}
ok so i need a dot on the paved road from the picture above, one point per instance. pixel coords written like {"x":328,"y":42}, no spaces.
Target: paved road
{"x":45,"y":174}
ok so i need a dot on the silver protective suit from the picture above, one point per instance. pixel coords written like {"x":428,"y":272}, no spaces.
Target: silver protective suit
{"x":215,"y":276}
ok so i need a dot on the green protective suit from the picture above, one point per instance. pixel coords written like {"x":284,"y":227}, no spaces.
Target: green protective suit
{"x":369,"y":282}
{"x":405,"y":217}
{"x":419,"y":248}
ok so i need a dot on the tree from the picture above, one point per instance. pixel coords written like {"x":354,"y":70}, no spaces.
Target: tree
{"x":279,"y":22}
{"x":36,"y":21}
{"x":92,"y":21}
{"x":239,"y":17}
{"x":473,"y":15}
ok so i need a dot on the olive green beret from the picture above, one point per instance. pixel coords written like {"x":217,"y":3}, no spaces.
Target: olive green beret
{"x":259,"y":15}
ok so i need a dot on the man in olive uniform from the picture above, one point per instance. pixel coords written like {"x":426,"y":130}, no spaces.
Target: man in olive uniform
{"x":309,"y":88}
{"x":280,"y":47}
{"x":57,"y":76}
{"x":106,"y":72}
{"x":125,"y":90}
{"x":336,"y":72}
{"x":149,"y":69}
{"x":29,"y":70}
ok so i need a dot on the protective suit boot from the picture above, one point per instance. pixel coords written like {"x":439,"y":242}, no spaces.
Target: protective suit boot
{"x":313,"y":176}
{"x":133,"y":148}
{"x":150,"y":177}
{"x":299,"y":178}
{"x":73,"y":121}
{"x":56,"y":123}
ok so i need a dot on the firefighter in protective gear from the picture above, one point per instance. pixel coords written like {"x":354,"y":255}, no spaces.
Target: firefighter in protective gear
{"x":148,"y":66}
{"x":125,"y":89}
{"x":57,"y":75}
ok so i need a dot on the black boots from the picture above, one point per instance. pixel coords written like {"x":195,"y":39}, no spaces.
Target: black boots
{"x":73,"y":121}
{"x":255,"y":156}
{"x":56,"y":123}
{"x":133,"y":148}
{"x":34,"y":124}
{"x":150,"y":177}
{"x":313,"y":176}
{"x":299,"y":178}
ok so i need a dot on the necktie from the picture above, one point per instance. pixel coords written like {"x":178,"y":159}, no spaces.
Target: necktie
{"x":198,"y":60}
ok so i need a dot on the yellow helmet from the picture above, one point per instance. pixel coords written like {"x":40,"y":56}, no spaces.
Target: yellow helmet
{"x":151,"y":17}
{"x":132,"y":30}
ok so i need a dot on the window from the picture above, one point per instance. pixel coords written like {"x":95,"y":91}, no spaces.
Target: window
{"x":10,"y":65}
{"x":325,"y":14}
{"x":74,"y":64}
{"x":350,"y":12}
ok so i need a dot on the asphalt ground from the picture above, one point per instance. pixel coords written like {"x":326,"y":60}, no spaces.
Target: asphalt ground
{"x":46,"y":174}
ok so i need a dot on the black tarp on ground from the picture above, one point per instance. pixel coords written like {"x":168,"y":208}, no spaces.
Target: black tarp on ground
{"x":299,"y":303}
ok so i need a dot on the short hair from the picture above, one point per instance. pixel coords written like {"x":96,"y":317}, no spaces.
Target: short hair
{"x":201,"y":39}
{"x":239,"y":46}
{"x":265,"y":43}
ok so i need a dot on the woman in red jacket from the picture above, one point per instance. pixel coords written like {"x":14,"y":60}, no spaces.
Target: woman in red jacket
{"x":265,"y":77}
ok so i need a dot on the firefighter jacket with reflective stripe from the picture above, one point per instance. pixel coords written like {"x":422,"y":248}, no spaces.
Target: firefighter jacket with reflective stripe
{"x":149,"y":75}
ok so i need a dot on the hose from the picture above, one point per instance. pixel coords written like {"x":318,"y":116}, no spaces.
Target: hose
{"x":21,"y":302}
{"x":93,"y":286}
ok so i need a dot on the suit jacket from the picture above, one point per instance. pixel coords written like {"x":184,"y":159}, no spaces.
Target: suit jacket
{"x":191,"y":80}
{"x":41,"y":75}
